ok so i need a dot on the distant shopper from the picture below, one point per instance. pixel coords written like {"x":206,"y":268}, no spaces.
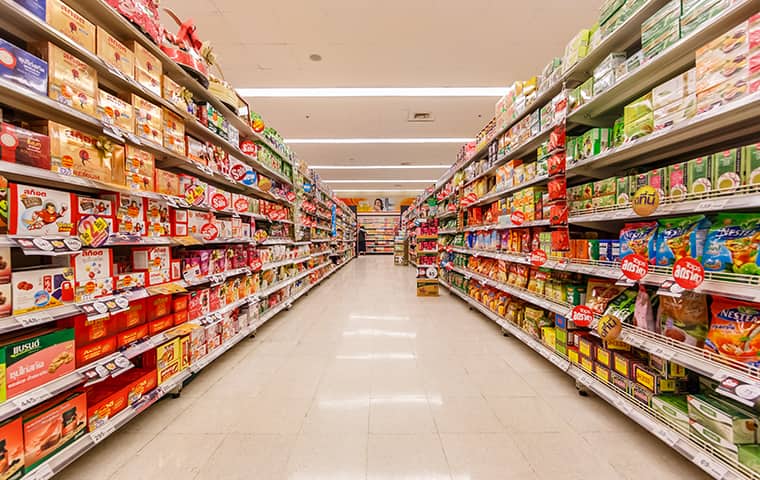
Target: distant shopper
{"x":379,"y":205}
{"x":362,"y":238}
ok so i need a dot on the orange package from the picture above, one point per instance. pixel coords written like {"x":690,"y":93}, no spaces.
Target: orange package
{"x":734,"y":328}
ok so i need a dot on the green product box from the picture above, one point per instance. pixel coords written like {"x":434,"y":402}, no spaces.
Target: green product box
{"x":666,"y":368}
{"x":621,"y":15}
{"x":751,"y":164}
{"x":574,"y":99}
{"x":561,"y":349}
{"x":575,"y":193}
{"x":587,"y":191}
{"x":727,"y":169}
{"x":678,"y":180}
{"x":698,"y":13}
{"x":641,"y":108}
{"x":605,"y":201}
{"x":542,"y":168}
{"x":662,"y":43}
{"x":593,"y":249}
{"x":605,"y":187}
{"x":608,"y":9}
{"x":749,"y":456}
{"x":561,"y":336}
{"x":622,"y":188}
{"x":673,"y":407}
{"x":639,"y":128}
{"x":662,"y":18}
{"x":634,"y":61}
{"x":637,"y":181}
{"x":587,"y":91}
{"x":581,"y":205}
{"x":574,"y":293}
{"x":618,"y":132}
{"x":730,"y":422}
{"x":595,"y":141}
{"x":702,"y":434}
{"x":699,"y":174}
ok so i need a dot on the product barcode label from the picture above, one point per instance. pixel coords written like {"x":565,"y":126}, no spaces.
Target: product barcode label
{"x":32,"y":398}
{"x":32,"y":319}
{"x":710,"y":465}
{"x":101,"y":433}
{"x":711,"y":205}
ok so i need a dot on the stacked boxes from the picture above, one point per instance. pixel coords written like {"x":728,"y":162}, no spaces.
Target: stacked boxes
{"x":616,"y":12}
{"x":661,"y":30}
{"x":606,"y":73}
{"x":675,"y":100}
{"x":638,"y":118}
{"x":697,"y":12}
{"x":576,"y":49}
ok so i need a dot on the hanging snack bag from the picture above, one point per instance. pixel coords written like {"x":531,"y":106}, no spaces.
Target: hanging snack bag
{"x":734,"y":329}
{"x":681,"y":237}
{"x":732,"y":244}
{"x":685,"y":318}
{"x":639,"y":238}
{"x":600,"y":292}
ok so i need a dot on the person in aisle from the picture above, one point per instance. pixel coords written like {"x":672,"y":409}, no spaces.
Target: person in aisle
{"x":362,"y":240}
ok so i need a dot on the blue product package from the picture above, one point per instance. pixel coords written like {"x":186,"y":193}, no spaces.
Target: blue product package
{"x":732,"y":244}
{"x":681,"y":237}
{"x":23,"y":68}
{"x":560,"y":321}
{"x":639,"y":238}
{"x":37,"y":7}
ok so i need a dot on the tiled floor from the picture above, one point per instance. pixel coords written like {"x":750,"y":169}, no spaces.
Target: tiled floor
{"x":362,"y":379}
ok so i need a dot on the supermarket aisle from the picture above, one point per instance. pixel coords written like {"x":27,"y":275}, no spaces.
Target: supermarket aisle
{"x":364,"y":380}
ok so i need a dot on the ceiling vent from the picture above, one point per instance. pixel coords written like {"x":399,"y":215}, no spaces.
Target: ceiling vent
{"x":421,"y":117}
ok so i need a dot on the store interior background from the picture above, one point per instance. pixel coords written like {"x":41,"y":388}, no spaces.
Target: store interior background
{"x":394,"y":43}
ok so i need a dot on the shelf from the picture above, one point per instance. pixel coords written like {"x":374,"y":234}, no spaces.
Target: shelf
{"x":603,"y":108}
{"x":289,"y":261}
{"x":447,"y":232}
{"x":490,"y":197}
{"x":644,"y":416}
{"x":534,"y":223}
{"x":720,"y":126}
{"x":447,"y":215}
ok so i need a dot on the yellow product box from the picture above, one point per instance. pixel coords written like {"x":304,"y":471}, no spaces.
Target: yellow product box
{"x":602,"y":373}
{"x":115,"y":53}
{"x":549,"y":336}
{"x":70,"y":81}
{"x":115,"y":111}
{"x":75,"y":153}
{"x":168,"y":360}
{"x":604,"y":357}
{"x":172,"y":91}
{"x":139,"y":169}
{"x":653,"y":381}
{"x":70,"y":23}
{"x":174,"y":132}
{"x":148,"y":69}
{"x":587,"y":364}
{"x":573,"y":355}
{"x":148,"y":120}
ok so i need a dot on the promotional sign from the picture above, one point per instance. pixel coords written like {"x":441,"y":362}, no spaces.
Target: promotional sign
{"x":517,"y":218}
{"x":645,"y":201}
{"x":334,"y":224}
{"x":634,"y":267}
{"x":537,"y":258}
{"x":688,"y":273}
{"x":582,"y":316}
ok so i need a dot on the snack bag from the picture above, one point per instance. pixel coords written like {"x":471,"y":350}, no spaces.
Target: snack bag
{"x":734,"y":329}
{"x":600,"y":292}
{"x":732,"y":244}
{"x":639,"y":238}
{"x":684,"y":319}
{"x":681,"y":237}
{"x":643,"y":314}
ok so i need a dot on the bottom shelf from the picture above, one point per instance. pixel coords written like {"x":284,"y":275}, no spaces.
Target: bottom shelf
{"x":700,"y":455}
{"x":65,"y":457}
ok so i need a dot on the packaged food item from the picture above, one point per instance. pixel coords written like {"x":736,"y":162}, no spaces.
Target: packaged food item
{"x":167,"y":183}
{"x":677,"y":181}
{"x":12,"y":449}
{"x":148,"y":68}
{"x":639,"y":238}
{"x":734,"y":328}
{"x":115,"y":53}
{"x":174,"y":132}
{"x":699,"y":175}
{"x":115,"y":111}
{"x":94,"y":351}
{"x":148,"y":120}
{"x":38,"y":211}
{"x":681,"y":237}
{"x":70,"y":23}
{"x":156,"y":261}
{"x":673,"y":407}
{"x":23,"y":68}
{"x":600,"y":292}
{"x":684,"y":318}
{"x":729,"y":421}
{"x":18,"y":145}
{"x":658,"y":179}
{"x":93,"y":273}
{"x":749,"y":457}
{"x":751,"y":164}
{"x":643,"y":315}
{"x":732,"y":244}
{"x":71,"y":81}
{"x":50,"y":427}
{"x":139,"y":169}
{"x":726,"y":170}
{"x":75,"y":153}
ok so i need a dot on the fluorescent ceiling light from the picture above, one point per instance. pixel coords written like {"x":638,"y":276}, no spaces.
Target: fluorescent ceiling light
{"x":333,"y":141}
{"x":375,"y":167}
{"x":378,"y":181}
{"x":375,"y":92}
{"x":362,"y":190}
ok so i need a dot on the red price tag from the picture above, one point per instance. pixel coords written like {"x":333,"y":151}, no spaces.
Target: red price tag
{"x":256,"y":264}
{"x":291,"y":196}
{"x":582,"y":316}
{"x":449,"y":266}
{"x":688,"y":273}
{"x":449,"y":249}
{"x":209,"y":232}
{"x":635,"y":267}
{"x":537,"y":258}
{"x":517,"y":218}
{"x":260,"y":236}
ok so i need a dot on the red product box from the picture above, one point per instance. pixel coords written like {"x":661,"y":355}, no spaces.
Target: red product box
{"x":176,"y":270}
{"x":215,"y":298}
{"x":96,"y":350}
{"x":194,"y":307}
{"x":40,"y":211}
{"x":132,"y":317}
{"x":132,"y":335}
{"x":155,"y":261}
{"x":12,"y":434}
{"x":157,"y":306}
{"x":131,"y":217}
{"x":128,"y":281}
{"x":179,"y":303}
{"x":181,"y":317}
{"x":141,"y":381}
{"x":179,"y":219}
{"x":93,"y":273}
{"x":53,"y":425}
{"x":18,"y":145}
{"x":104,"y":400}
{"x":161,"y":324}
{"x":89,"y":331}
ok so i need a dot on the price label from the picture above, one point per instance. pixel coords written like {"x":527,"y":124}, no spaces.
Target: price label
{"x":101,"y":433}
{"x":709,"y":465}
{"x":711,"y":205}
{"x":517,"y":218}
{"x":32,"y":319}
{"x":622,"y":405}
{"x":43,"y":472}
{"x":634,"y":267}
{"x":688,"y":273}
{"x":585,"y":380}
{"x":537,"y":258}
{"x":666,"y":435}
{"x":32,"y":398}
{"x":560,"y":362}
{"x":662,"y":352}
{"x":582,"y":316}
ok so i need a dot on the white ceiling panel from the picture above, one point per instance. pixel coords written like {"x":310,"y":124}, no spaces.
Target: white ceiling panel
{"x":430,"y":154}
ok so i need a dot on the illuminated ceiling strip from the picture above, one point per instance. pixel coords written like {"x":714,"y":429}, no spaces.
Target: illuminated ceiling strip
{"x":374,"y":92}
{"x":378,"y":181}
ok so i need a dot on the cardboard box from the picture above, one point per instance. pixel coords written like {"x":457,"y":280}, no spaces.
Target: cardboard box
{"x":75,"y":153}
{"x":23,"y":68}
{"x":52,"y":426}
{"x":155,"y":261}
{"x":12,"y":441}
{"x":148,"y":120}
{"x":71,"y":81}
{"x":727,"y":170}
{"x":93,"y":273}
{"x":159,"y":325}
{"x":157,"y":306}
{"x":115,"y":111}
{"x":130,"y":213}
{"x":96,"y":350}
{"x":148,"y":68}
{"x":749,"y":456}
{"x":702,"y":434}
{"x":641,"y":393}
{"x":35,"y":359}
{"x":168,"y":360}
{"x":699,"y":175}
{"x":132,"y":335}
{"x":39,"y":289}
{"x":115,"y":53}
{"x":673,"y":407}
{"x":18,"y":145}
{"x":729,"y":421}
{"x":174,"y":132}
{"x":166,"y":182}
{"x":70,"y":23}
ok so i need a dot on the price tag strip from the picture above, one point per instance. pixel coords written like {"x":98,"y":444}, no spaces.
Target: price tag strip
{"x":48,"y":246}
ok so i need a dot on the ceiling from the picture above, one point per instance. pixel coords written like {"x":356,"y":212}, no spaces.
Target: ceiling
{"x":393,"y":43}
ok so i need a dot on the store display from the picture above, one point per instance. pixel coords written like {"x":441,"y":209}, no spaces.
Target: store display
{"x":381,"y":228}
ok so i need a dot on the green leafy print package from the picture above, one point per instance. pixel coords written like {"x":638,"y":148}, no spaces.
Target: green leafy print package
{"x":732,"y":244}
{"x":681,"y":237}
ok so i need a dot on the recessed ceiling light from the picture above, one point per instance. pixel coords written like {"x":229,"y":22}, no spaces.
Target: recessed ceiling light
{"x":377,"y":181}
{"x":376,"y":167}
{"x":315,"y":57}
{"x":331,"y":141}
{"x":375,"y":92}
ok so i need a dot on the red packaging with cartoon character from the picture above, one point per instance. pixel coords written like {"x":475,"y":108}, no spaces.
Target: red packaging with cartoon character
{"x":39,"y":211}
